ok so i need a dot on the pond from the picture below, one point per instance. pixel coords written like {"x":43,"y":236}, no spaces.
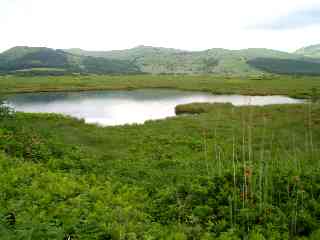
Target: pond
{"x":128,"y":106}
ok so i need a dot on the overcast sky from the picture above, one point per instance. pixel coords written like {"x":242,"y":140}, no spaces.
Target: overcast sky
{"x":184,"y":24}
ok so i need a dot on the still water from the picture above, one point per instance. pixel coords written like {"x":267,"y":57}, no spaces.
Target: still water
{"x":125,"y":107}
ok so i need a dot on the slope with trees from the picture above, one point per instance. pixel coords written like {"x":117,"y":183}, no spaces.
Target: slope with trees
{"x":24,"y":59}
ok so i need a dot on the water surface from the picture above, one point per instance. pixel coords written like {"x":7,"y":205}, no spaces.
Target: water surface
{"x":126,"y":107}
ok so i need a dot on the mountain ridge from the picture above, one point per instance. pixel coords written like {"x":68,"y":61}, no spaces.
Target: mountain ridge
{"x":23,"y":58}
{"x":310,"y":51}
{"x":159,"y":60}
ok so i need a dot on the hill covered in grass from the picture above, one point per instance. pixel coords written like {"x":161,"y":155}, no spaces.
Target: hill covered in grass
{"x":212,"y":61}
{"x":47,"y":60}
{"x":310,"y":51}
{"x":157,"y":60}
{"x":287,"y":66}
{"x":163,"y":60}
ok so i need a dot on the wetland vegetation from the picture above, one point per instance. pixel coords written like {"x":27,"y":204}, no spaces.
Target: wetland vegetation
{"x":266,"y":84}
{"x":247,"y":172}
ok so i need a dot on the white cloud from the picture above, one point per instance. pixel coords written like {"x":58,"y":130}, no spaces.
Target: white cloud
{"x":298,"y":19}
{"x":118,"y":24}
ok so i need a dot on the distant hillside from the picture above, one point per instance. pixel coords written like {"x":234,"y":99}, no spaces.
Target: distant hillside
{"x":216,"y":61}
{"x":312,"y":51}
{"x":286,"y":66}
{"x":22,"y":59}
{"x":156,"y":60}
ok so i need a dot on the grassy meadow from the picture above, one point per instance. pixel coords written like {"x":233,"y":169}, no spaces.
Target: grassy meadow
{"x":295,"y":86}
{"x":223,"y":173}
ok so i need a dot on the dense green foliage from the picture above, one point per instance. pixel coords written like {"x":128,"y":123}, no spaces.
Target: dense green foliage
{"x":103,"y":65}
{"x":228,"y":173}
{"x":5,"y":111}
{"x":286,"y":66}
{"x":196,"y":108}
{"x":43,"y":57}
{"x":30,"y":61}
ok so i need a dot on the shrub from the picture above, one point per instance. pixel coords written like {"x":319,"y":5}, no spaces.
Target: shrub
{"x":5,"y":111}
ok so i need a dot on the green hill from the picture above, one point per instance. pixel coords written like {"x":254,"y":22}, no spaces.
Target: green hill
{"x":286,"y":66}
{"x":216,"y":61}
{"x":312,"y":51}
{"x":46,"y":60}
{"x":156,"y":60}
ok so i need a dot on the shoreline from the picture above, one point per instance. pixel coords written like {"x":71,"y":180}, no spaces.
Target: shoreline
{"x":298,"y":88}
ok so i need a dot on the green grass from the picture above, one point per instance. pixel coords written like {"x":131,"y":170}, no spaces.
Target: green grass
{"x":225,"y":173}
{"x":196,"y":108}
{"x":42,"y":69}
{"x":228,"y":173}
{"x":302,"y":86}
